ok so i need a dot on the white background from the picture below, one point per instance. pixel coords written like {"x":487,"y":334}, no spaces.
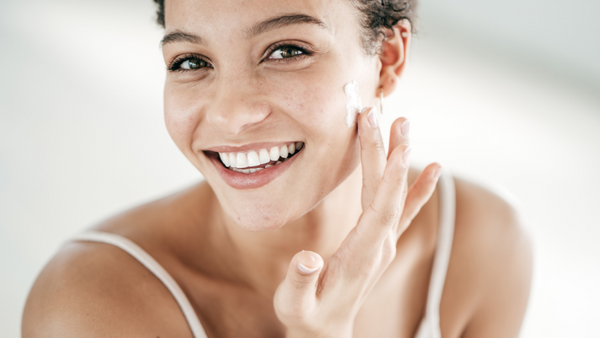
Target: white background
{"x":506,"y":93}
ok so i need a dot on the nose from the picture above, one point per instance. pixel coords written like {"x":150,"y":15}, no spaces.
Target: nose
{"x":237,"y":107}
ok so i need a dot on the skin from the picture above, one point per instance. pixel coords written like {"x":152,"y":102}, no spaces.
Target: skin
{"x":235,"y":252}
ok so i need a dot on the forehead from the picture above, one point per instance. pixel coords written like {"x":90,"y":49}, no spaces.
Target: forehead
{"x":226,"y":17}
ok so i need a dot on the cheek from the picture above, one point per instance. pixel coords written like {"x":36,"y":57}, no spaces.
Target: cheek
{"x":317,"y":103}
{"x":315,"y":100}
{"x":180,"y":119}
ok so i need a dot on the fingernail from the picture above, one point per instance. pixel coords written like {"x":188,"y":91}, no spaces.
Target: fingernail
{"x":438,"y":173}
{"x":373,"y":118}
{"x":405,"y":128}
{"x":306,"y":270}
{"x":406,"y":156}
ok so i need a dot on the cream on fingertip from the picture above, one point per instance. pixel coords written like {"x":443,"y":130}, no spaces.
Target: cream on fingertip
{"x":306,"y":270}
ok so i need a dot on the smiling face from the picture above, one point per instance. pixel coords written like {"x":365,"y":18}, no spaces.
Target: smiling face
{"x":249,"y":79}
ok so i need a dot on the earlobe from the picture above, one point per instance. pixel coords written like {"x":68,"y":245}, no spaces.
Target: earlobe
{"x":393,"y":56}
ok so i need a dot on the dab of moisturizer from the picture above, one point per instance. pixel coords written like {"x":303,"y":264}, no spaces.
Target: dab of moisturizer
{"x":353,"y":104}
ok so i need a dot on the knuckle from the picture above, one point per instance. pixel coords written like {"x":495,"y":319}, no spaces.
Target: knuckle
{"x":367,"y":269}
{"x":292,"y":312}
{"x":396,"y":182}
{"x":391,"y":216}
{"x":291,"y":317}
{"x":377,"y":143}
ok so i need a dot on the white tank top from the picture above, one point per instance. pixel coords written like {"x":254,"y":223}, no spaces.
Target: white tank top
{"x":430,"y":325}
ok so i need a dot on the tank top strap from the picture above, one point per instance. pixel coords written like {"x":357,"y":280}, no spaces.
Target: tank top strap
{"x":430,"y":326}
{"x":151,"y":264}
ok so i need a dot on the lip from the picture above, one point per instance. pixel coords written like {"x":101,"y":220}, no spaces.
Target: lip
{"x":255,"y":180}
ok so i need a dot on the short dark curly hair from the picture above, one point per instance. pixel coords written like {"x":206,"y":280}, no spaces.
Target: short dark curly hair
{"x":377,"y":15}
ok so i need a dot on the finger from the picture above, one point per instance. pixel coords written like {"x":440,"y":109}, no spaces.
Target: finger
{"x":418,"y":194}
{"x":399,"y":133}
{"x":384,"y":212}
{"x":296,"y":295}
{"x":372,"y":154}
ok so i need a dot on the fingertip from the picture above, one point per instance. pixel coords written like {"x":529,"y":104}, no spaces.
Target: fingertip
{"x":372,"y":118}
{"x":308,"y":262}
{"x":406,"y":156}
{"x":398,"y":124}
{"x":368,"y":117}
{"x":434,"y":170}
{"x":305,"y":270}
{"x":438,"y":172}
{"x":399,"y":133}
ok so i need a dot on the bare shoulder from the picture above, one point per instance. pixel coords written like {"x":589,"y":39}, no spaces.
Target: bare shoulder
{"x":98,"y":290}
{"x":489,"y":275}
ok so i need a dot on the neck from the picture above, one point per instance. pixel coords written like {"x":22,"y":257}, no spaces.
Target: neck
{"x":261,"y":259}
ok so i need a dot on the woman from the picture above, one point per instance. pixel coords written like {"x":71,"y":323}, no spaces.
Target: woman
{"x":305,"y":226}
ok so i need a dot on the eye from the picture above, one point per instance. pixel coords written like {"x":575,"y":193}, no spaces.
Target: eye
{"x":193,"y":64}
{"x":188,"y":62}
{"x":286,"y":52}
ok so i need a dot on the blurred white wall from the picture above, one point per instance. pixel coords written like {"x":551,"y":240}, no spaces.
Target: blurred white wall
{"x":82,"y":136}
{"x":561,"y":37}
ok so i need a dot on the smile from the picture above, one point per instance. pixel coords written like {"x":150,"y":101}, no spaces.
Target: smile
{"x":256,"y":160}
{"x":253,"y":166}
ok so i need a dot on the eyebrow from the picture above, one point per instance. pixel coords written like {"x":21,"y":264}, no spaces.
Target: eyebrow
{"x":282,"y":21}
{"x":259,"y":28}
{"x":181,"y":36}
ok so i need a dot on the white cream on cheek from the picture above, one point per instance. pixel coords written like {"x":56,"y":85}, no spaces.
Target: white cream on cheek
{"x":353,"y":103}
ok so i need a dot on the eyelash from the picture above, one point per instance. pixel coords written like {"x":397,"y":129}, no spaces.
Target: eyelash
{"x":176,"y":63}
{"x":282,"y":45}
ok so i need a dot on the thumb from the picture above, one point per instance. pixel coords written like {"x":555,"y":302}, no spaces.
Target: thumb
{"x":296,"y":295}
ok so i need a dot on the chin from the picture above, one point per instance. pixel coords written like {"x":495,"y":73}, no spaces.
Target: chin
{"x":264,"y":218}
{"x":281,"y":193}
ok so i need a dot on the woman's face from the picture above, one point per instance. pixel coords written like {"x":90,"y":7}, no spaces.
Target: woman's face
{"x":265,"y":74}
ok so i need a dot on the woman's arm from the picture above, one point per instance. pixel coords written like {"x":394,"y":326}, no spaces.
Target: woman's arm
{"x":96,"y":290}
{"x":489,"y":276}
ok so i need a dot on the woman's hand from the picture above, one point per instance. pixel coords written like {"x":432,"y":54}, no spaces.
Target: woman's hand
{"x":317,"y":300}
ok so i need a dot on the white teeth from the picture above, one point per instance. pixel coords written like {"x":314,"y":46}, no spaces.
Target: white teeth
{"x":283,"y":151}
{"x":242,"y":160}
{"x":264,"y":156}
{"x":274,"y":154}
{"x":252,"y":171}
{"x":232,"y":160}
{"x":225,"y":159}
{"x":278,"y":162}
{"x":246,"y":171}
{"x":253,"y":159}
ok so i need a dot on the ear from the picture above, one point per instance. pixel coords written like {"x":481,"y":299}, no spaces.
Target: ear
{"x":393,"y":56}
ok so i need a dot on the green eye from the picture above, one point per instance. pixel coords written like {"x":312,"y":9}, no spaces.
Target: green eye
{"x":286,"y":52}
{"x":194,"y":63}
